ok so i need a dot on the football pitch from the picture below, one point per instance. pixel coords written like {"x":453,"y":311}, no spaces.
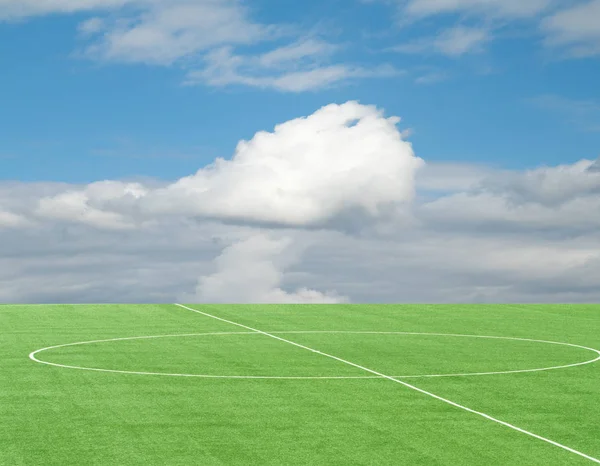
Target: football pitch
{"x":299,"y":384}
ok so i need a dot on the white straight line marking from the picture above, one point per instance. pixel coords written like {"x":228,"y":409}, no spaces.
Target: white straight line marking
{"x":412,"y":387}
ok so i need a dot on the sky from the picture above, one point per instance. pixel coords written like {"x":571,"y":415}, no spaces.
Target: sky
{"x":315,"y":151}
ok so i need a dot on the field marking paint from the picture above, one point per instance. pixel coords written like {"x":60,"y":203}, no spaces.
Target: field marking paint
{"x":33,"y":357}
{"x":406,"y":384}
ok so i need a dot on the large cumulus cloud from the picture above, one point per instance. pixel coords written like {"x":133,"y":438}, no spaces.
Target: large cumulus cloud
{"x":304,"y":173}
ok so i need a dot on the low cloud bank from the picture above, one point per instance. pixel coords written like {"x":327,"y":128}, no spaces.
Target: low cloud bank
{"x":381,"y":225}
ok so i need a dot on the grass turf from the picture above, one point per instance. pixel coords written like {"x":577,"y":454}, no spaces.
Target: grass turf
{"x":58,"y":416}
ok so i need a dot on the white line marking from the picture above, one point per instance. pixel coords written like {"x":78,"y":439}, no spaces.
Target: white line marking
{"x":33,"y":357}
{"x":412,"y":387}
{"x":69,"y":304}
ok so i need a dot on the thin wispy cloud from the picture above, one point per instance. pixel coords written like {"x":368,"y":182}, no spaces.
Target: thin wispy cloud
{"x":584,"y":114}
{"x":294,"y":68}
{"x":498,"y":8}
{"x":575,"y":30}
{"x":433,"y":77}
{"x":453,"y":42}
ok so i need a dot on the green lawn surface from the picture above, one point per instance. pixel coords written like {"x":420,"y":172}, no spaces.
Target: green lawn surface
{"x":190,"y":411}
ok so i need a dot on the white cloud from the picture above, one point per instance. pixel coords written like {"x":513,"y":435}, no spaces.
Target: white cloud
{"x":293,"y":53}
{"x":94,"y":205}
{"x":548,"y":186}
{"x":151,"y":31}
{"x":460,"y":40}
{"x":306,"y":172}
{"x":326,"y":76}
{"x":295,"y":68}
{"x":432,"y":77}
{"x":430,"y":264}
{"x":11,"y":220}
{"x":54,"y":262}
{"x":16,"y":9}
{"x":251,"y":271}
{"x":487,"y":18}
{"x":576,"y":29}
{"x":583,"y":113}
{"x":547,"y":202}
{"x":91,"y":26}
{"x":503,"y":8}
{"x":343,"y":166}
{"x":451,"y":177}
{"x":452,"y":42}
{"x":169,"y":31}
{"x":316,"y":78}
{"x":488,"y":211}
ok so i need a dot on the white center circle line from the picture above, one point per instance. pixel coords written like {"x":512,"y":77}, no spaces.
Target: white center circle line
{"x":33,"y":357}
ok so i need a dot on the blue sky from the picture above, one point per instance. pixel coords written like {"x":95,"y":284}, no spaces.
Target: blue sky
{"x":513,"y":99}
{"x":250,"y":151}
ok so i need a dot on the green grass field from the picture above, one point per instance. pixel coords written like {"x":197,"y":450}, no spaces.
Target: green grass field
{"x":326,"y":384}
